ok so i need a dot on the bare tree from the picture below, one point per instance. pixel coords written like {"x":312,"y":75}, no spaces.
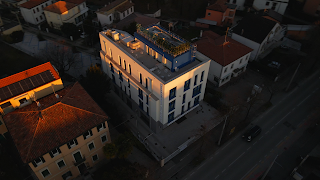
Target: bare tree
{"x":61,"y":57}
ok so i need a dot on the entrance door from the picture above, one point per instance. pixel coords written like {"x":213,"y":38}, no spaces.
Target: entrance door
{"x":82,"y":168}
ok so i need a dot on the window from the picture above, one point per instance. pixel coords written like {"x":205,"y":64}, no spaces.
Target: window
{"x":148,"y":111}
{"x":41,"y":17}
{"x":72,"y":143}
{"x":66,"y":175}
{"x":184,"y":98}
{"x":124,"y":63}
{"x":140,"y":76}
{"x":274,"y":6}
{"x":147,"y":83}
{"x":110,"y":18}
{"x":123,"y":14}
{"x":128,"y":82}
{"x":172,"y":105}
{"x":209,"y":14}
{"x":195,"y":80}
{"x":201,"y":78}
{"x":120,"y":61}
{"x":55,"y":152}
{"x":131,"y":9}
{"x":140,"y":94}
{"x":23,"y":100}
{"x":101,"y":126}
{"x":111,"y":66}
{"x":130,"y":69}
{"x":95,"y":158}
{"x":127,"y":11}
{"x":120,"y":76}
{"x":187,"y":85}
{"x":61,"y":163}
{"x":37,"y":19}
{"x":231,"y":66}
{"x":170,"y":117}
{"x":172,"y":93}
{"x":140,"y":104}
{"x":240,"y":61}
{"x":34,"y":11}
{"x":113,"y":79}
{"x":46,"y":4}
{"x":104,"y":138}
{"x":77,"y":156}
{"x":87,"y":134}
{"x":196,"y":101}
{"x":147,"y":99}
{"x":38,"y":161}
{"x":45,"y":172}
{"x":129,"y":94}
{"x":182,"y":109}
{"x":267,"y":3}
{"x":196,"y":90}
{"x":91,"y":146}
{"x":38,"y":9}
{"x":225,"y":70}
{"x":42,"y":6}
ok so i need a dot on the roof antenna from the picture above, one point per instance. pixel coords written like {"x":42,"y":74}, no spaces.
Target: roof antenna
{"x":225,"y":37}
{"x":57,"y":95}
{"x":33,"y":96}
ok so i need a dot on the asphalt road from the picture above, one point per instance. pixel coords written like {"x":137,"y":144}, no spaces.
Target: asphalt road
{"x":281,"y":126}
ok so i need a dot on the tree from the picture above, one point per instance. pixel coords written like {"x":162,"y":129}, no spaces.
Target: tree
{"x":124,"y":144}
{"x":61,"y":57}
{"x":110,"y":150}
{"x":96,"y":83}
{"x":70,"y":29}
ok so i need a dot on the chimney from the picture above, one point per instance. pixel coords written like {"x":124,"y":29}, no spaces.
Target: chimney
{"x":200,"y":33}
{"x":242,"y":31}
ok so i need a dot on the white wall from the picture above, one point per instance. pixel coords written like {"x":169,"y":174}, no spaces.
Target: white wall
{"x":239,"y":3}
{"x":127,"y":13}
{"x":280,"y":7}
{"x":251,"y":44}
{"x":105,"y":19}
{"x":30,"y":16}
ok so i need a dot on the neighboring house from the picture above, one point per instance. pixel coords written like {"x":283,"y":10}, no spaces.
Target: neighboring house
{"x":138,"y":18}
{"x":12,"y":3}
{"x":69,"y":11}
{"x":312,"y":7}
{"x":278,"y":6}
{"x":20,"y":89}
{"x":114,"y":12}
{"x":32,"y":11}
{"x":256,"y":32}
{"x":8,"y":28}
{"x":219,"y":13}
{"x":297,"y":32}
{"x":270,"y":14}
{"x":161,"y":85}
{"x":229,"y":57}
{"x":61,"y":135}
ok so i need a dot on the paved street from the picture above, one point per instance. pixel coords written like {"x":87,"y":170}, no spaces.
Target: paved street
{"x":281,"y":126}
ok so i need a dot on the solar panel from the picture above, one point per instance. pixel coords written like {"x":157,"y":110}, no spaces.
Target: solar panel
{"x":25,"y":85}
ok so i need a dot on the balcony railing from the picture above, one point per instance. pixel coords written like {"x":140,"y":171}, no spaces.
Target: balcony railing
{"x":77,"y":163}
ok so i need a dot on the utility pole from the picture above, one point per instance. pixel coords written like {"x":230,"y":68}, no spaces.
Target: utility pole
{"x":224,"y":125}
{"x":292,"y":77}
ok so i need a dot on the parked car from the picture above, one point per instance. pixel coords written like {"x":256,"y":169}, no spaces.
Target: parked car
{"x":251,"y":133}
{"x":274,"y":64}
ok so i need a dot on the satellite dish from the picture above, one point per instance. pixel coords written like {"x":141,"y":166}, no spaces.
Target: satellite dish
{"x":57,"y":96}
{"x":38,"y":104}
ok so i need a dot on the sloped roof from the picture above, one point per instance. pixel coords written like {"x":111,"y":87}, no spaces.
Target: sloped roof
{"x":215,"y":47}
{"x":218,"y":6}
{"x":38,"y":130}
{"x":254,"y":27}
{"x":125,"y":6}
{"x":32,"y":3}
{"x":270,"y":13}
{"x":75,"y":1}
{"x":112,"y":5}
{"x":60,"y":7}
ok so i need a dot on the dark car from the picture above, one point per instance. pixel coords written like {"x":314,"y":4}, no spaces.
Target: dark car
{"x":251,"y":133}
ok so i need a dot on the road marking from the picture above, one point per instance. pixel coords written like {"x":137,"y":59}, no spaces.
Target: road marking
{"x":211,"y":157}
{"x":267,"y":132}
{"x":272,"y":127}
{"x":191,"y":173}
{"x":248,"y":148}
{"x":260,"y":138}
{"x":254,"y":143}
{"x":293,"y":109}
{"x":249,"y":172}
{"x":223,"y":170}
{"x":283,"y":118}
{"x":279,"y":142}
{"x":226,"y":145}
{"x":291,"y":131}
{"x":236,"y":159}
{"x":303,"y":100}
{"x":216,"y":177}
{"x":170,"y":168}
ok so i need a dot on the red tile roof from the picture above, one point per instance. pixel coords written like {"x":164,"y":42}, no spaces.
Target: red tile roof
{"x":38,"y":130}
{"x":112,"y":5}
{"x":32,"y":3}
{"x":28,"y":73}
{"x":220,"y":51}
{"x":60,"y":7}
{"x":218,"y":6}
{"x":125,"y":6}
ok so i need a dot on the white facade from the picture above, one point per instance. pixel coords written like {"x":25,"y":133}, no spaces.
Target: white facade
{"x":259,"y":48}
{"x":239,"y":3}
{"x":107,"y":17}
{"x":35,"y":15}
{"x":278,"y":6}
{"x":137,"y":65}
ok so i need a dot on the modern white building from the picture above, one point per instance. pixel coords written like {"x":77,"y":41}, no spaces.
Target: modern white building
{"x":155,"y":72}
{"x":32,"y":11}
{"x":229,"y":57}
{"x":278,"y":6}
{"x":256,"y":32}
{"x":115,"y":11}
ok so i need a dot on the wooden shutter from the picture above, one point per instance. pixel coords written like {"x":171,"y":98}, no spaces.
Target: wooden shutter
{"x":90,"y":132}
{"x":34,"y":164}
{"x":59,"y":150}
{"x":104,"y":124}
{"x":51,"y":154}
{"x":68,"y":144}
{"x":75,"y":140}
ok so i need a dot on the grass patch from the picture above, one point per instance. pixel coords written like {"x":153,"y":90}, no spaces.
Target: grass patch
{"x":14,"y":61}
{"x":197,"y":160}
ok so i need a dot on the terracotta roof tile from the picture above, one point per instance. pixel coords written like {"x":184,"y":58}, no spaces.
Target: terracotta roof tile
{"x":60,"y":7}
{"x":32,"y":3}
{"x":219,"y":51}
{"x":125,"y":6}
{"x":28,"y":73}
{"x":37,"y":130}
{"x":218,"y":6}
{"x":112,"y":5}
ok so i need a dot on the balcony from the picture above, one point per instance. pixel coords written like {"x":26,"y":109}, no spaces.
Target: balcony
{"x":79,"y":160}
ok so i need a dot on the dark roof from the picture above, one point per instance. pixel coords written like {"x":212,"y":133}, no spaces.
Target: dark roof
{"x":221,"y":50}
{"x":138,"y":18}
{"x":218,"y":7}
{"x":125,"y":6}
{"x":32,"y":3}
{"x":254,"y":27}
{"x":271,"y":13}
{"x":112,"y":5}
{"x":37,"y":130}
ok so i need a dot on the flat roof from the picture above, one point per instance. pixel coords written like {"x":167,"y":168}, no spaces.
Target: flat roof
{"x":159,"y":70}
